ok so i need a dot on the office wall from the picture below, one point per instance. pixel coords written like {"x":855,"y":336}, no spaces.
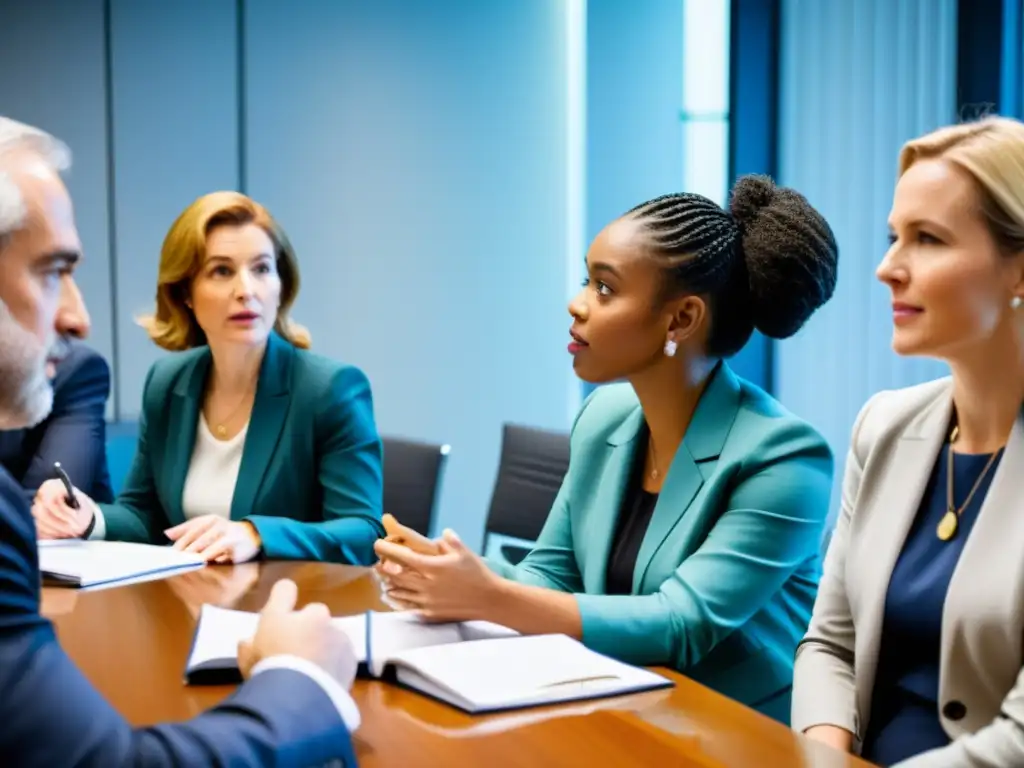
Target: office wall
{"x":427,"y":202}
{"x":634,"y":97}
{"x":857,"y":80}
{"x":419,"y":155}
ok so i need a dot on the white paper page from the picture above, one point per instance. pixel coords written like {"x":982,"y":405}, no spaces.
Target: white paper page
{"x":219,"y":632}
{"x":393,"y":633}
{"x":93,"y":562}
{"x":355,"y":628}
{"x":484,"y":630}
{"x":507,"y":672}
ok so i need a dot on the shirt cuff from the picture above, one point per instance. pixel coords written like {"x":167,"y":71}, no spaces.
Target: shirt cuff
{"x":343,"y":702}
{"x":99,"y":530}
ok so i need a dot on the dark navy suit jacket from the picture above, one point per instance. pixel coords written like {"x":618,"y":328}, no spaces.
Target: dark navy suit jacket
{"x":51,"y":716}
{"x":74,"y":433}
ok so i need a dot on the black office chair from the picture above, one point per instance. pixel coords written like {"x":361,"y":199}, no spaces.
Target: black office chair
{"x":413,"y":471}
{"x":530,"y":472}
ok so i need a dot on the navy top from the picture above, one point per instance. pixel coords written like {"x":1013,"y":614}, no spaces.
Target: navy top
{"x":634,"y":518}
{"x":905,"y":708}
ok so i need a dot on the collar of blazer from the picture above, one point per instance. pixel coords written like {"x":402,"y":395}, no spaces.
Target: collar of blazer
{"x":712,"y":419}
{"x":265,"y":423}
{"x":705,"y":437}
{"x":275,"y":371}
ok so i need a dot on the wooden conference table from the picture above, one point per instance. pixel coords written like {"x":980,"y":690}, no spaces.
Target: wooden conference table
{"x":132,"y":641}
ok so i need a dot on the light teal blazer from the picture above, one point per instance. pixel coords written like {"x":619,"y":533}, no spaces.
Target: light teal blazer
{"x":727,"y":574}
{"x":311,"y":478}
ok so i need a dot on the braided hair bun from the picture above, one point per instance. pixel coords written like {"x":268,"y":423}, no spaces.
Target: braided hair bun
{"x":790,"y":253}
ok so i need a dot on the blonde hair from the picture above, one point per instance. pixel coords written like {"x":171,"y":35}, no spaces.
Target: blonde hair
{"x":991,"y":151}
{"x":173,"y":326}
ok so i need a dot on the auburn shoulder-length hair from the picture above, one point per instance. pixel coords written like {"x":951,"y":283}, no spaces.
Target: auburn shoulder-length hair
{"x":173,"y":326}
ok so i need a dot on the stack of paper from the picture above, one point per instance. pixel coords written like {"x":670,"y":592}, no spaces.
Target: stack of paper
{"x":77,"y":563}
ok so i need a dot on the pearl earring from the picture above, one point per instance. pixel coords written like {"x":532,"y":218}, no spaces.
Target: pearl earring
{"x":1015,"y":302}
{"x":670,"y":348}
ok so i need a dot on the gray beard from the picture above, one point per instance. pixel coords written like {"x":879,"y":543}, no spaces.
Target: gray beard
{"x":26,"y":395}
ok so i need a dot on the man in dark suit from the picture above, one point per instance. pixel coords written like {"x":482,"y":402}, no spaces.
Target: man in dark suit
{"x":293,"y":710}
{"x":74,"y":433}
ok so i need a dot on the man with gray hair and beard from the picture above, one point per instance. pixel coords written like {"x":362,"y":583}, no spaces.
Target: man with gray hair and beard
{"x":294,"y":708}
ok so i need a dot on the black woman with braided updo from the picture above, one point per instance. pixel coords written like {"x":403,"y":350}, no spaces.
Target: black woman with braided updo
{"x":687,"y":530}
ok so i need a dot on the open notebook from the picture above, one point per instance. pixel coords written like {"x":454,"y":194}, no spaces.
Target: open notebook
{"x":474,"y":666}
{"x":77,"y":563}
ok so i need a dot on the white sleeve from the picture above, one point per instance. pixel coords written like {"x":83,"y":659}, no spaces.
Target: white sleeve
{"x":342,"y":700}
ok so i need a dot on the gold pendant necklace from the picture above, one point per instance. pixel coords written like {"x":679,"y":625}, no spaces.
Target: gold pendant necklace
{"x":950,"y":522}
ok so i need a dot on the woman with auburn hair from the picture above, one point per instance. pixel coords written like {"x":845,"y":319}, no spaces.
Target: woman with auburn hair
{"x":915,"y":650}
{"x":248,"y":443}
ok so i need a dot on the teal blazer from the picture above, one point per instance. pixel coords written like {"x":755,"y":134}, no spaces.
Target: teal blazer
{"x":311,"y":478}
{"x":728,"y":570}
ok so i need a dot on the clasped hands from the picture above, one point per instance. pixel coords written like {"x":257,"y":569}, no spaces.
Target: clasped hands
{"x":441,"y":580}
{"x":217,"y":540}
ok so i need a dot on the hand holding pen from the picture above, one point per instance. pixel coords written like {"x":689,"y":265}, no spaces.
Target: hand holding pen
{"x":69,"y":496}
{"x":60,"y":511}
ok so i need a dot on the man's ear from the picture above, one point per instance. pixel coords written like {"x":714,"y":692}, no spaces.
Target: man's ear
{"x":688,"y":318}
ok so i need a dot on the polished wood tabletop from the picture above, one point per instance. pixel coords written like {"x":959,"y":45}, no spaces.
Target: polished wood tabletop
{"x":132,"y":642}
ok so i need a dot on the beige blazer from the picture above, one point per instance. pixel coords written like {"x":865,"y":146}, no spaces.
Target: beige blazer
{"x":896,"y":442}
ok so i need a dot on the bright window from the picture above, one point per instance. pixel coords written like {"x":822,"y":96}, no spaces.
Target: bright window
{"x":705,"y":99}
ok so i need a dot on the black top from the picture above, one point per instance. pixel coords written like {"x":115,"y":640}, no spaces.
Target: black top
{"x":905,"y":708}
{"x":634,"y":517}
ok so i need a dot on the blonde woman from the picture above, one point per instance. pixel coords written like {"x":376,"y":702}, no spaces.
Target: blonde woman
{"x":249,"y":444}
{"x":915,"y":649}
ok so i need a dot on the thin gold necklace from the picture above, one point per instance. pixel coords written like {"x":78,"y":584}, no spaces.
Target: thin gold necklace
{"x":221,"y":428}
{"x":654,"y":459}
{"x":950,"y":521}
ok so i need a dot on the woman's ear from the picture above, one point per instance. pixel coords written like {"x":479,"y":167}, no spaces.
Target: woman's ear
{"x":688,"y":318}
{"x":1017,"y":297}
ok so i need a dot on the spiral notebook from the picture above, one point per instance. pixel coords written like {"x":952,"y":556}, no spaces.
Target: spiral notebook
{"x":477,"y":667}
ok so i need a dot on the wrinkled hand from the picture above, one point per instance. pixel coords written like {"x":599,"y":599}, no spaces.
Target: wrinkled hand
{"x":454,"y":585}
{"x":55,"y":518}
{"x":309,"y":634}
{"x":216,"y":539}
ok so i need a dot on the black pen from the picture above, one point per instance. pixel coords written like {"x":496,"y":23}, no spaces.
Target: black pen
{"x":70,"y":495}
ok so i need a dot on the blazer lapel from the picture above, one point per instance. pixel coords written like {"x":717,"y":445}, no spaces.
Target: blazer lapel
{"x":895,"y":500}
{"x":265,"y":424}
{"x":985,"y":580}
{"x":612,"y":486}
{"x":712,"y":420}
{"x":184,"y":415}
